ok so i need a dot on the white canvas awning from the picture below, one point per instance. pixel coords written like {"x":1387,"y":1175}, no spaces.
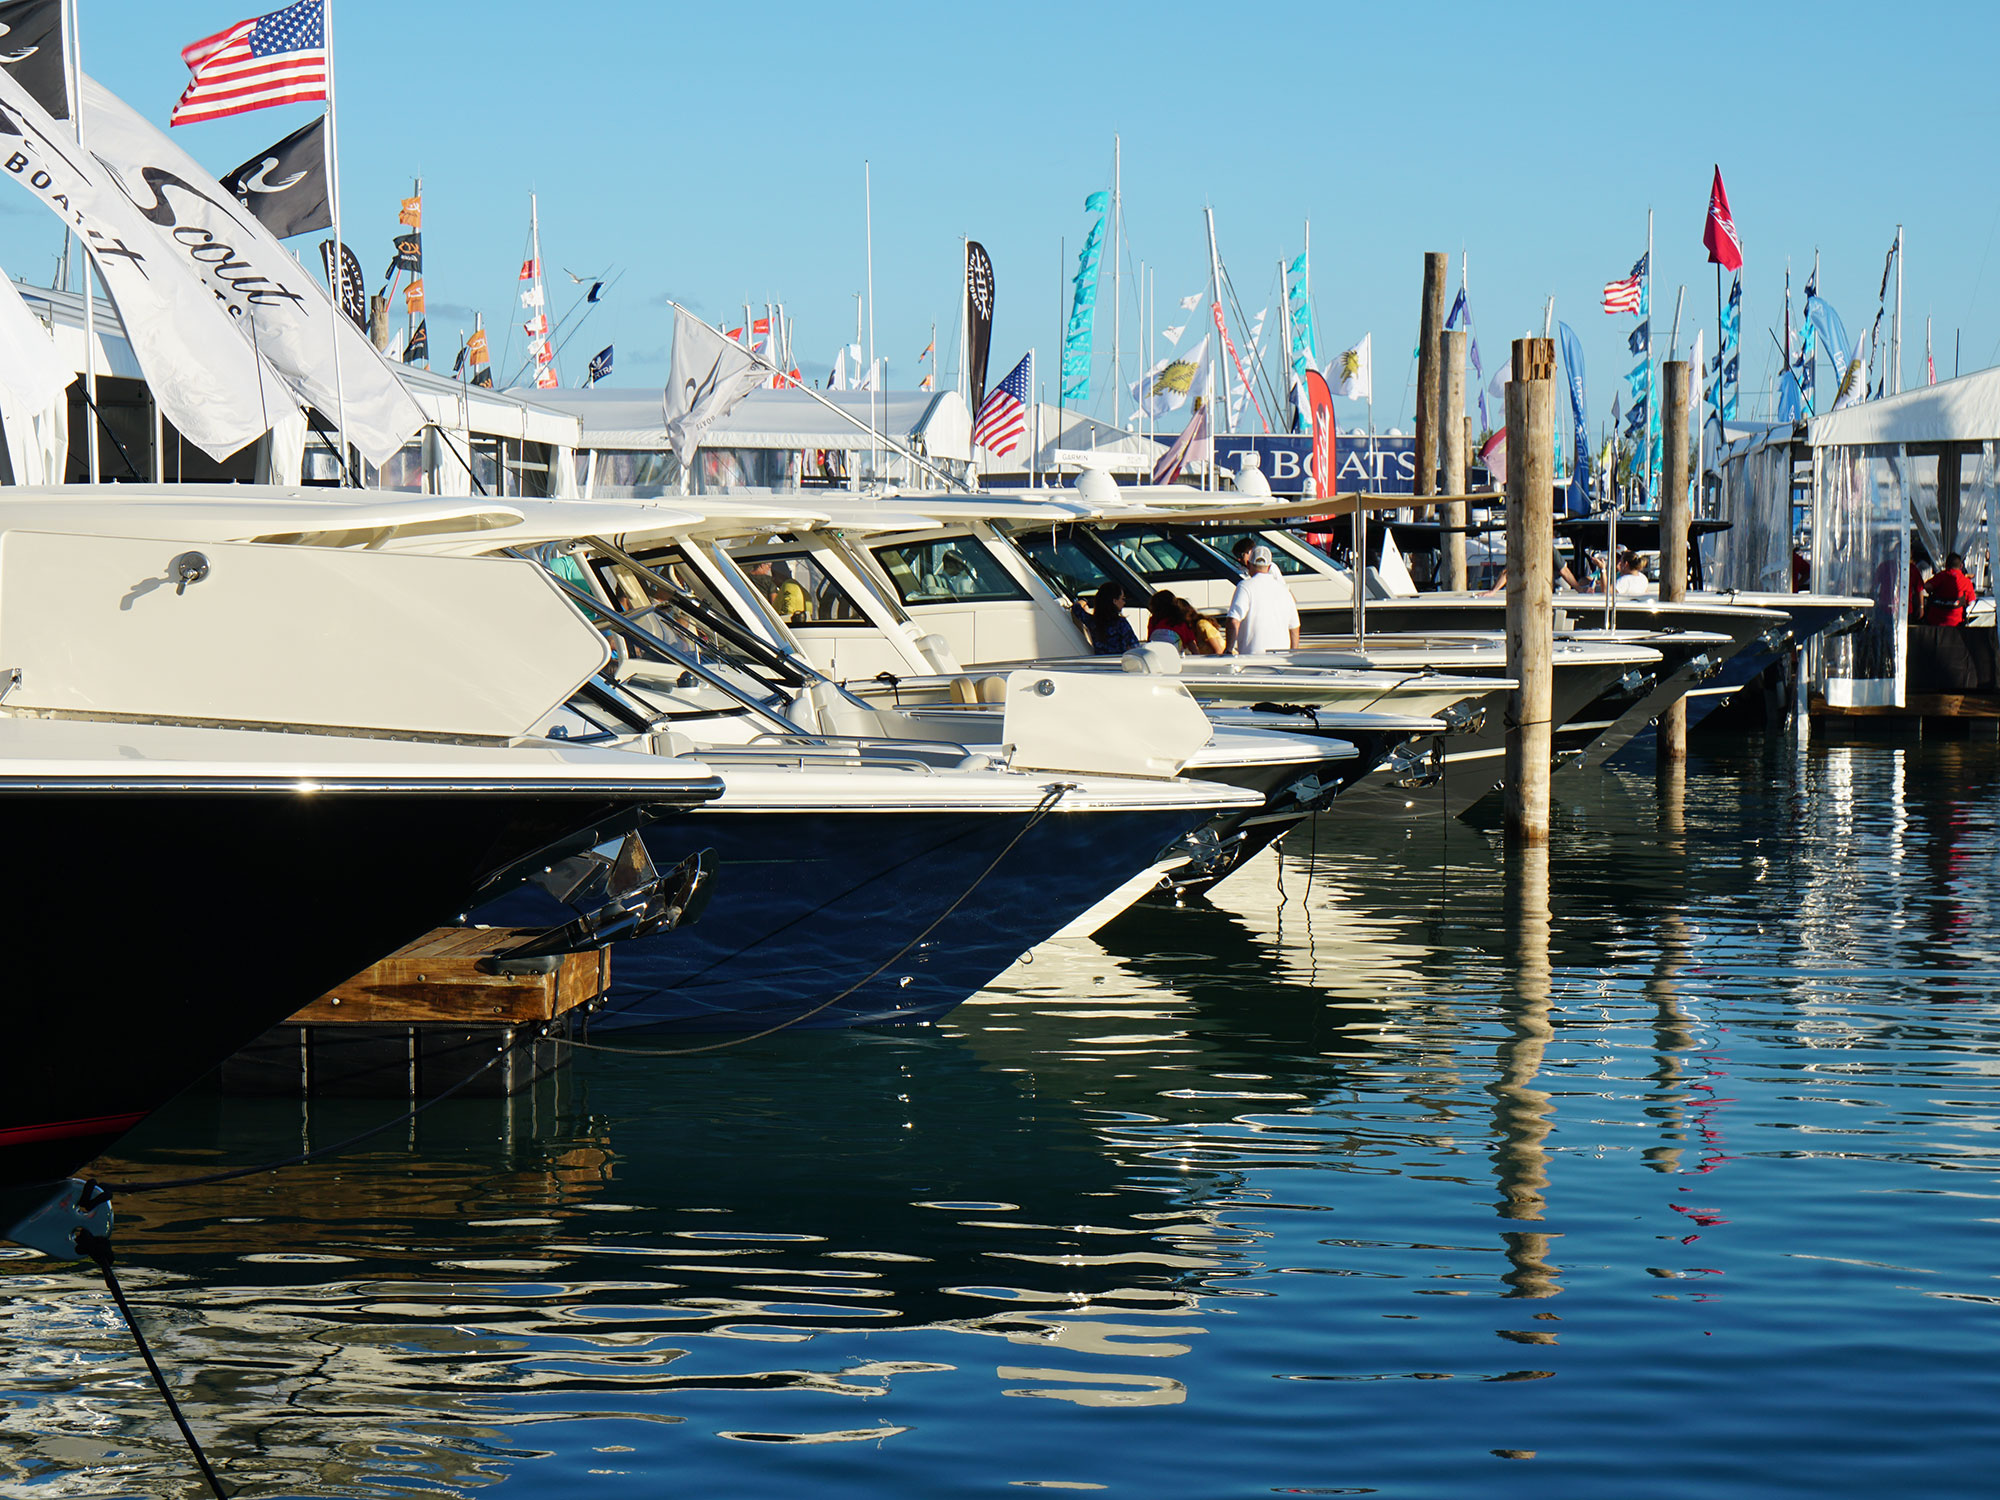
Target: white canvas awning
{"x":781,"y":420}
{"x":1963,"y":410}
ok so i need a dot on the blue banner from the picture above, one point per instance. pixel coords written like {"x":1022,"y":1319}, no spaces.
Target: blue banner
{"x":1076,"y":338}
{"x":1579,"y":474}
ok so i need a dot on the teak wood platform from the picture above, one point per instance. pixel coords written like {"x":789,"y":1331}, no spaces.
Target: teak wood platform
{"x":426,"y":1018}
{"x":447,"y":976}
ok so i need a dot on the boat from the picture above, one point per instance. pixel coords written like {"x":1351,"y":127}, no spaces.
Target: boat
{"x":844,"y":866}
{"x":235,"y":776}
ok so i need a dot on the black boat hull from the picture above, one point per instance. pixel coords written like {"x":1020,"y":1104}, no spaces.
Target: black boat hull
{"x":158,"y":931}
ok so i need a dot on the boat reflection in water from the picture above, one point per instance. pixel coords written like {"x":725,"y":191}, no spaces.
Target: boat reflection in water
{"x":1435,"y":1155}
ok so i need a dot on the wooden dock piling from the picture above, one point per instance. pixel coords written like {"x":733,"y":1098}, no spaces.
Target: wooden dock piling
{"x":1452,"y":447}
{"x":1430,"y":333}
{"x":1530,"y":587}
{"x":1674,"y":517}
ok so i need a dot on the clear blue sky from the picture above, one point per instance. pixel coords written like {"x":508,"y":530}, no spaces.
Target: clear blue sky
{"x":714,"y":154}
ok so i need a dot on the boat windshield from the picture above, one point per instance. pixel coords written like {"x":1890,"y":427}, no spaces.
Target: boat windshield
{"x":946,"y":570}
{"x":687,"y":613}
{"x":1226,"y":543}
{"x":1074,"y":563}
{"x":802,"y":592}
{"x":1161,"y":556}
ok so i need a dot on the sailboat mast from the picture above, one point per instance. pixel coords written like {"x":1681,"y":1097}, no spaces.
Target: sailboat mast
{"x":1117,"y":304}
{"x":868,"y":215}
{"x":1285,"y":345}
{"x":1215,"y":386}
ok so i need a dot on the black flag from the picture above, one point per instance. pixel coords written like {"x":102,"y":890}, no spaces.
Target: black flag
{"x":484,"y":377}
{"x":31,"y":49}
{"x":409,"y":253}
{"x":285,"y":185}
{"x":978,"y":316}
{"x":348,"y":294}
{"x":419,"y":346}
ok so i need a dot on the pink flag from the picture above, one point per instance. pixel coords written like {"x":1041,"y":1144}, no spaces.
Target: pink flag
{"x":1719,"y":234}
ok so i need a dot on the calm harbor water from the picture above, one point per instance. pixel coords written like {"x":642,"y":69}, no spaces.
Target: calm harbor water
{"x":1663,"y":1166}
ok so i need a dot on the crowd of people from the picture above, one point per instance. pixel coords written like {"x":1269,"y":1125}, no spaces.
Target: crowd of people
{"x":1262,"y":616}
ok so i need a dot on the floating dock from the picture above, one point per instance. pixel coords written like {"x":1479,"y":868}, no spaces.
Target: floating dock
{"x":426,"y":1017}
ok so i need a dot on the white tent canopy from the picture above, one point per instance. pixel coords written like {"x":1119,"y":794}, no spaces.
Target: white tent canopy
{"x":1962,"y":410}
{"x":778,"y":420}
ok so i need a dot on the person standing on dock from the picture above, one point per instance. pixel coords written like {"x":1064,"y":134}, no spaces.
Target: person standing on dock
{"x":1263,"y":616}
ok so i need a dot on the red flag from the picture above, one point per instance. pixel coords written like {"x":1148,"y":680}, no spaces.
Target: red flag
{"x":1319,"y":397}
{"x":1719,"y":234}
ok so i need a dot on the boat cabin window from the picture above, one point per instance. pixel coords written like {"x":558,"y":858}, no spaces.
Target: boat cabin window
{"x":1226,"y":542}
{"x":946,"y":570}
{"x":800,"y":590}
{"x":1064,"y":562}
{"x":1158,"y":556}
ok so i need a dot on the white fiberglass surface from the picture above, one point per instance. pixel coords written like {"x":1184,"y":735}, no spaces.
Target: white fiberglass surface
{"x":31,"y":748}
{"x":249,"y":633}
{"x":810,"y":782}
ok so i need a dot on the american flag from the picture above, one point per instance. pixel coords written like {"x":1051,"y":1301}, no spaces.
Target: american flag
{"x":1629,"y":295}
{"x":279,"y":58}
{"x":1003,"y":415}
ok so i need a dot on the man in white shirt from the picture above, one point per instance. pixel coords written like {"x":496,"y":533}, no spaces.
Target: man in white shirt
{"x":1263,"y":616}
{"x":1631,"y":576}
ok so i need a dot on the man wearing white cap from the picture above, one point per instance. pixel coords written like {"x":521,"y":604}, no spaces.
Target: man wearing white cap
{"x":1263,"y":616}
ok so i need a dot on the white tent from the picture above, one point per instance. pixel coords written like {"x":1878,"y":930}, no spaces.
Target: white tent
{"x":1965,"y":409}
{"x":1754,"y":495}
{"x":1908,"y":474}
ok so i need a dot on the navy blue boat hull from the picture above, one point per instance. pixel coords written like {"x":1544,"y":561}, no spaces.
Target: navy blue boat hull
{"x":806,"y":905}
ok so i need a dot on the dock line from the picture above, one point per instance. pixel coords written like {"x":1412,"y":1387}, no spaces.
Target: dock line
{"x":1047,"y":805}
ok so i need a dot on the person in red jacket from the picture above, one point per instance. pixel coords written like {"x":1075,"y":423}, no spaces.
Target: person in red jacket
{"x":1949,"y":593}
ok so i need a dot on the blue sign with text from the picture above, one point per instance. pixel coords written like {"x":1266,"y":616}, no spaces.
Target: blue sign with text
{"x":1375,"y":466}
{"x":1285,"y":457}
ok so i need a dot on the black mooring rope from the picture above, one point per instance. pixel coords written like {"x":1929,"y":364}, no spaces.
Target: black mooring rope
{"x":98,"y":1249}
{"x":1046,"y":806}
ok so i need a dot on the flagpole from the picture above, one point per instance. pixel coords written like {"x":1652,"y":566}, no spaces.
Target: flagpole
{"x":1652,"y":386}
{"x":1357,"y":573}
{"x":1034,"y":424}
{"x":73,"y":36}
{"x":337,"y":271}
{"x":1896,"y":328}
